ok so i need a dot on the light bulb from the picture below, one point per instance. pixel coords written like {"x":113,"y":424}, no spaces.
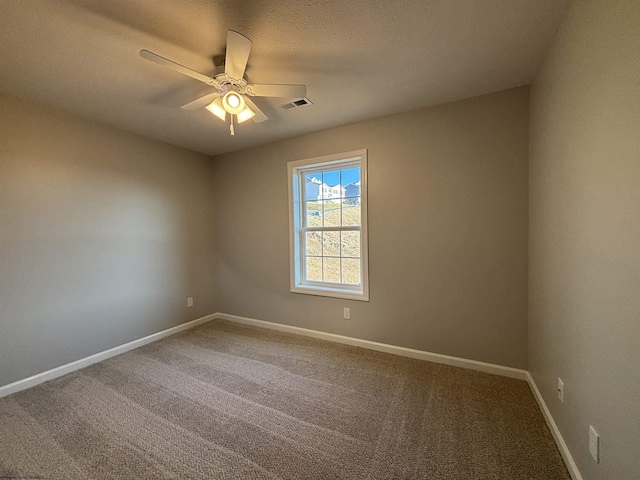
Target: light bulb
{"x":233,"y":102}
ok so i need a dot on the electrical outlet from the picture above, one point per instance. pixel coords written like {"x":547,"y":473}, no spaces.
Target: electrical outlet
{"x":190,"y":302}
{"x":561,"y":390}
{"x":347,"y":313}
{"x":594,"y":444}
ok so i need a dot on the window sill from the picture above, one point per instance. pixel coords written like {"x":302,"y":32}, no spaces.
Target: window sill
{"x":331,"y":292}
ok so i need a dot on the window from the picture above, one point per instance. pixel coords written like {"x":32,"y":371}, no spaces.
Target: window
{"x":328,"y":223}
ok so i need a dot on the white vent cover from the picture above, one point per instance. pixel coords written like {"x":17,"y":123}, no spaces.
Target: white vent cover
{"x":297,"y":103}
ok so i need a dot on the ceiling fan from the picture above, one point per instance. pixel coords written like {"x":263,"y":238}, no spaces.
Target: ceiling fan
{"x":232,"y":89}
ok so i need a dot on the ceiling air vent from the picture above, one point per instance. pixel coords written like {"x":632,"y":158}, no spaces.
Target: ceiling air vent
{"x":299,"y":102}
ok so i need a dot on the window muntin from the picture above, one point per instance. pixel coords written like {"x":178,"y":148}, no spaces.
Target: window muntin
{"x":328,"y":226}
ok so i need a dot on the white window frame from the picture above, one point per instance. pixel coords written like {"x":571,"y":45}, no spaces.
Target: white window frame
{"x":297,"y":230}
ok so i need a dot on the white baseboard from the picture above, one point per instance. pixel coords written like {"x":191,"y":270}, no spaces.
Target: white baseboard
{"x":557,"y":436}
{"x":98,"y":357}
{"x":383,"y":347}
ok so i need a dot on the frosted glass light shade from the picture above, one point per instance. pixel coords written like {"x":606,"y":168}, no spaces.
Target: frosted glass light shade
{"x":245,"y":115}
{"x":215,"y":107}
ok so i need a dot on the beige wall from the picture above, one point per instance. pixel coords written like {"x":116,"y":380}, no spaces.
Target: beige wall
{"x":447,"y":230}
{"x":103,"y":235}
{"x":585,"y":233}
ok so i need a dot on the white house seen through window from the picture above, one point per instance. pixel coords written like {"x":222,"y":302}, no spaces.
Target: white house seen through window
{"x":328,"y":205}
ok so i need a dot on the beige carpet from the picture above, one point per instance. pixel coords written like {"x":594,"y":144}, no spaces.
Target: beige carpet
{"x":224,"y":401}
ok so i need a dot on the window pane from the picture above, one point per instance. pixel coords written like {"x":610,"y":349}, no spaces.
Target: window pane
{"x":350,"y":244}
{"x":351,"y":214}
{"x":314,"y":269}
{"x":351,"y":271}
{"x":331,"y":244}
{"x":314,"y":243}
{"x":313,"y":186}
{"x":331,"y":270}
{"x":314,"y":214}
{"x":332,"y":213}
{"x":350,"y":181}
{"x":331,"y":185}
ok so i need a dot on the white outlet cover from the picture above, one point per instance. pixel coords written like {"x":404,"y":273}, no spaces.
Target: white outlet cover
{"x":594,"y":444}
{"x":561,"y":390}
{"x":347,"y":313}
{"x":190,"y":302}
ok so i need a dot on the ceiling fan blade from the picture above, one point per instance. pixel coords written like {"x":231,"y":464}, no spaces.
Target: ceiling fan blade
{"x":147,"y":55}
{"x":238,"y":48}
{"x":201,"y":102}
{"x":289,"y":91}
{"x":259,"y":114}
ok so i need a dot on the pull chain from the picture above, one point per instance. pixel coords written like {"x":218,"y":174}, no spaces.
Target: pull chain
{"x":231,"y":126}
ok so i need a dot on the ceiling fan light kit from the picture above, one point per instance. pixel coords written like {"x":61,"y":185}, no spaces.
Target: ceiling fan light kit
{"x":231,"y":85}
{"x":232,"y":103}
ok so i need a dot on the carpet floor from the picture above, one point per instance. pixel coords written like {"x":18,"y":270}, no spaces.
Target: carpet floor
{"x":226,"y":401}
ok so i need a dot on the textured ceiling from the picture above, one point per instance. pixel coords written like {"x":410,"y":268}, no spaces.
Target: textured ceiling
{"x":360,"y":58}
